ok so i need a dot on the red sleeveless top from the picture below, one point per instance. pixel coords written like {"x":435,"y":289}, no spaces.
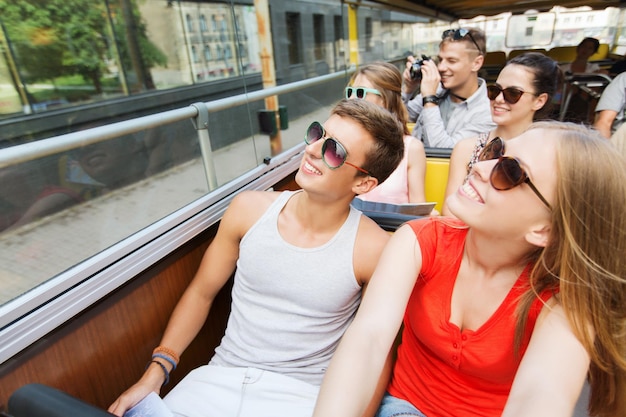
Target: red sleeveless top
{"x":441,"y":370}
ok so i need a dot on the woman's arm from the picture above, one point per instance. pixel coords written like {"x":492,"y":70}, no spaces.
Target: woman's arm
{"x":416,"y":171}
{"x":459,"y":158}
{"x":357,"y":364}
{"x":552,"y":373}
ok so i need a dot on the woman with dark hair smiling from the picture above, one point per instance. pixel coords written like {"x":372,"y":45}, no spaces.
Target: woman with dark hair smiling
{"x":522,"y":93}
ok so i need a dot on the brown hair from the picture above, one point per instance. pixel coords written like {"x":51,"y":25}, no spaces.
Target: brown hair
{"x":387,"y":132}
{"x":584,"y":258}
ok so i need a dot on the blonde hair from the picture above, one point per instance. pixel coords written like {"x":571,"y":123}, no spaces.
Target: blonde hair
{"x":585,"y":257}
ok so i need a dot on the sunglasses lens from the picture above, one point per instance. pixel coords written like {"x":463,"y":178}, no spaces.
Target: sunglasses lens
{"x":314,"y":133}
{"x":511,"y":95}
{"x":349,"y":91}
{"x":506,"y":174}
{"x":334,"y":153}
{"x":360,"y":92}
{"x":492,"y":150}
{"x":493,"y":91}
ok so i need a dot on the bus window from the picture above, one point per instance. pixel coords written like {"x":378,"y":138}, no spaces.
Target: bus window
{"x":533,"y":30}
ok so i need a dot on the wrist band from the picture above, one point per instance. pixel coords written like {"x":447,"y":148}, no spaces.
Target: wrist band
{"x":167,"y":358}
{"x":163,"y":368}
{"x":167,"y":351}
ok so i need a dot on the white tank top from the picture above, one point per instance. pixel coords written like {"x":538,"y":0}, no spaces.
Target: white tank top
{"x":290,"y":305}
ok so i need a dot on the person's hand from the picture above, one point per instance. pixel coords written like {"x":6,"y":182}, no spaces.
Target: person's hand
{"x":409,"y":85}
{"x":430,"y":78}
{"x":149,"y":382}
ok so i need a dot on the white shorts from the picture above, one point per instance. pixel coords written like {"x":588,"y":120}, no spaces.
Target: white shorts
{"x":216,"y":391}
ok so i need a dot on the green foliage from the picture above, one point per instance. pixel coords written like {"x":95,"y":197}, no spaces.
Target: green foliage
{"x":56,"y":38}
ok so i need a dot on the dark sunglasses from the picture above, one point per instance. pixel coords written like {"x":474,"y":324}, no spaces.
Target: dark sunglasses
{"x":458,"y":34}
{"x":507,"y":173}
{"x":360,"y":92}
{"x":334,"y":154}
{"x":511,"y":94}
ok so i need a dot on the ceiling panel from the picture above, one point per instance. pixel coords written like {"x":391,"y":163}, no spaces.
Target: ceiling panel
{"x":465,"y":9}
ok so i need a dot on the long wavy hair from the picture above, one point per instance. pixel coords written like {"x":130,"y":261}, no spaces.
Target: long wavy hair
{"x":387,"y":79}
{"x":585,"y":258}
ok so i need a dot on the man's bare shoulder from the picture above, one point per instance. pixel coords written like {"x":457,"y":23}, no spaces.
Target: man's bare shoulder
{"x":369,"y":229}
{"x":250,"y":199}
{"x":370,"y":242}
{"x":248,"y":206}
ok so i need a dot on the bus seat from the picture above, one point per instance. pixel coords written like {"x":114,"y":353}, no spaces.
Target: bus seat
{"x":562,"y":53}
{"x":494,"y":62}
{"x":436,"y":180}
{"x":495,"y":58}
{"x":516,"y":52}
{"x":38,"y":400}
{"x":601,"y":54}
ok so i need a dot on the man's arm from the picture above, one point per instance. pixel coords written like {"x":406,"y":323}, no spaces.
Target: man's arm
{"x":603,"y":122}
{"x":611,"y":103}
{"x":189,"y":315}
{"x":414,"y":108}
{"x":409,"y":87}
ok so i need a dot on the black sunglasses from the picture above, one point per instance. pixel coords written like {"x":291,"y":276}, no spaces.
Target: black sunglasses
{"x":334,"y":154}
{"x":360,"y":92}
{"x":458,"y":34}
{"x":511,"y":94}
{"x":507,"y":173}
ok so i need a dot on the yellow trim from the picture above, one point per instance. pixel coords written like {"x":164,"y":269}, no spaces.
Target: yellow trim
{"x":436,"y":180}
{"x":353,"y":33}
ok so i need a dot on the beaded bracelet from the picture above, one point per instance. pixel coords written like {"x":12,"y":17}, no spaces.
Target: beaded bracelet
{"x":167,"y":351}
{"x":163,"y":368}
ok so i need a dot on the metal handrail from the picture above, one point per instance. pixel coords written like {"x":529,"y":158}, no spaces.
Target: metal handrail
{"x":46,"y":147}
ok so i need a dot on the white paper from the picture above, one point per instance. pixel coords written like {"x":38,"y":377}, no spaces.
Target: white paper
{"x":151,"y":406}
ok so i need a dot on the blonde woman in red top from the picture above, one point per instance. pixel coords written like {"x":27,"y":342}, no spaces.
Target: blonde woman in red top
{"x":508,"y":310}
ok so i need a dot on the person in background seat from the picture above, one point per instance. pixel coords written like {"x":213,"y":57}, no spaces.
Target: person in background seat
{"x":581,"y":64}
{"x":381,"y":83}
{"x":610,"y":108}
{"x":452,"y":103}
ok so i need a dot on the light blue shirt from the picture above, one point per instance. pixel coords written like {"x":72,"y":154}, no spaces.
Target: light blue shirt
{"x":444,"y":125}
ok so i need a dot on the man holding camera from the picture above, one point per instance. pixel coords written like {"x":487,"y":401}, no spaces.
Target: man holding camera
{"x":453,"y":102}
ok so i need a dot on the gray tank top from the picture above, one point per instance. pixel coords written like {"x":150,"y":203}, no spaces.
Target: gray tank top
{"x":290,"y":305}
